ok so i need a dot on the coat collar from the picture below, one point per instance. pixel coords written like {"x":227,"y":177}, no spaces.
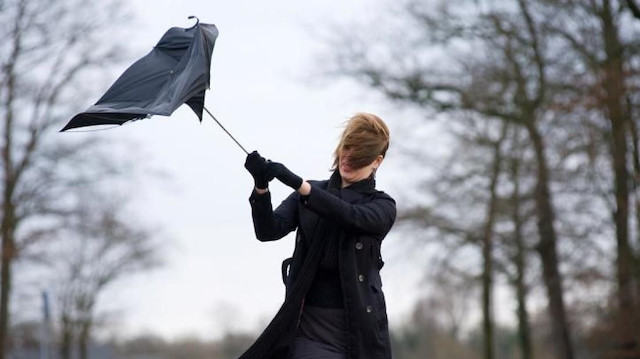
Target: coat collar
{"x":367,"y":185}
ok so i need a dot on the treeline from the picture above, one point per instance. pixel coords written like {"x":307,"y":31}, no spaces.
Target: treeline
{"x":537,"y":192}
{"x":26,"y":345}
{"x":423,"y":335}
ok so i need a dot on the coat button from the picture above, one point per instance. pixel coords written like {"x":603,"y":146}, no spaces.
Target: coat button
{"x":369,"y":309}
{"x":359,"y":246}
{"x":360,"y":277}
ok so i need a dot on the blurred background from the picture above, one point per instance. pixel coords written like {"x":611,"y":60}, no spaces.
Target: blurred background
{"x":514,"y":160}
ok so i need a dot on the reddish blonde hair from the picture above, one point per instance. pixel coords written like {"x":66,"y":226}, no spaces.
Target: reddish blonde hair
{"x":367,"y":136}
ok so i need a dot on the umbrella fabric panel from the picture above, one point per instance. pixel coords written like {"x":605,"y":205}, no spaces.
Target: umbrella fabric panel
{"x":176,"y":71}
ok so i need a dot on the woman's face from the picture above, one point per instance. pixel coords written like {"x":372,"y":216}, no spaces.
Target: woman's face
{"x":352,"y":175}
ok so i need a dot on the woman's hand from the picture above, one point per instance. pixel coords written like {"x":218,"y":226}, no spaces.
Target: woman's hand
{"x":283,"y":174}
{"x":257,"y":166}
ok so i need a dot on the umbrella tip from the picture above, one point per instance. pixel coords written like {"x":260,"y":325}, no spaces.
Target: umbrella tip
{"x":197,"y":20}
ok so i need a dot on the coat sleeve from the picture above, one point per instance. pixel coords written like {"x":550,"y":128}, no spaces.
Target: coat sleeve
{"x":271,"y":225}
{"x":374,"y":217}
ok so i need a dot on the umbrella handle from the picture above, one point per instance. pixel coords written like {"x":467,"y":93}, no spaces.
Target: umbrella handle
{"x":197,"y":21}
{"x":225,"y":130}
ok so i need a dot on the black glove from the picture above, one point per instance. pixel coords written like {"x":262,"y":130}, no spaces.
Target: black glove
{"x":282,"y":173}
{"x":257,"y":166}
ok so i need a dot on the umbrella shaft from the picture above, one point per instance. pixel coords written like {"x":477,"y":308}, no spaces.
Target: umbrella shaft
{"x":225,"y":130}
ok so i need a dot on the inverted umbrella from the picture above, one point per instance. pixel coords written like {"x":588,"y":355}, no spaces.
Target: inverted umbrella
{"x":176,"y":71}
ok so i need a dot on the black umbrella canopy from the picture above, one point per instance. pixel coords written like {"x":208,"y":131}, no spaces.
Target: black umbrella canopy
{"x":176,"y":71}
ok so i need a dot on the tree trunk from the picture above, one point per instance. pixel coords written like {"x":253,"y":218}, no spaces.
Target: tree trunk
{"x":548,"y":251}
{"x":614,"y":90}
{"x":83,"y":339}
{"x":524,"y":332}
{"x":487,"y":250}
{"x":487,"y":289}
{"x":7,"y":250}
{"x":66,"y":339}
{"x":7,"y":229}
{"x":8,"y":254}
{"x":635,"y":256}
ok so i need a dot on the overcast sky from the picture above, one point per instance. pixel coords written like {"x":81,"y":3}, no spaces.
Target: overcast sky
{"x":217,"y":275}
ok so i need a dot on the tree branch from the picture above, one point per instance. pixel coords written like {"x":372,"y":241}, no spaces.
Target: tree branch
{"x":635,"y":9}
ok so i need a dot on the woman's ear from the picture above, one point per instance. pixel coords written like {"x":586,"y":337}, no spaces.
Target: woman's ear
{"x":378,"y":161}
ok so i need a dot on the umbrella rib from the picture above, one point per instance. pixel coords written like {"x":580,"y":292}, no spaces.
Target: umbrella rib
{"x":225,"y":130}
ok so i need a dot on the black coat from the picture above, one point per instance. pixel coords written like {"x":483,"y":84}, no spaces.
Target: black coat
{"x":358,"y":217}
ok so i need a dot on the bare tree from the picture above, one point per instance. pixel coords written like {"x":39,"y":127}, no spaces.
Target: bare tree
{"x":101,"y":246}
{"x":46,"y":58}
{"x":503,"y":75}
{"x":514,"y":165}
{"x":596,"y":32}
{"x":425,"y":337}
{"x":473,"y":181}
{"x":614,"y":105}
{"x":453,"y":295}
{"x":488,"y":243}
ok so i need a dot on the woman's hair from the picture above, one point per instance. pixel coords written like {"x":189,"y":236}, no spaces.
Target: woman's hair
{"x":367,"y":136}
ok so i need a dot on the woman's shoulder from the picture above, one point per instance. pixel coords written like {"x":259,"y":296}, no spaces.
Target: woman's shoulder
{"x":383,"y":195}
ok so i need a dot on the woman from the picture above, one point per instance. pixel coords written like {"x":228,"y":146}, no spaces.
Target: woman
{"x":334,"y":306}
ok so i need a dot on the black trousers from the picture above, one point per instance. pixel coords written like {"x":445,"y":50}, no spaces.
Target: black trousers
{"x":305,"y":348}
{"x":321,"y":334}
